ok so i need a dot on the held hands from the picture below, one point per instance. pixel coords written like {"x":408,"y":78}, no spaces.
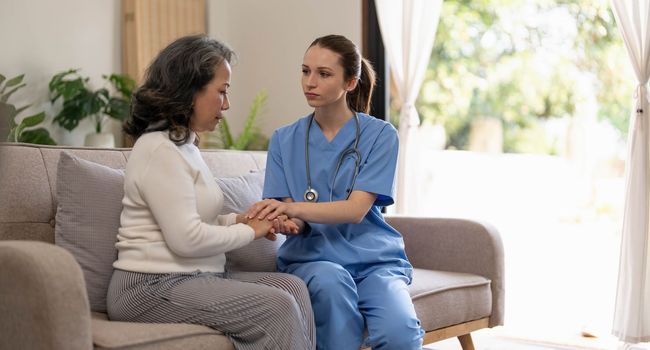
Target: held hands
{"x":262,"y":228}
{"x":270,"y":209}
{"x":282,"y":224}
{"x":269,"y":228}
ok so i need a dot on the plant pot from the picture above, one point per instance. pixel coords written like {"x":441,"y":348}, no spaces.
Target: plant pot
{"x":101,"y":140}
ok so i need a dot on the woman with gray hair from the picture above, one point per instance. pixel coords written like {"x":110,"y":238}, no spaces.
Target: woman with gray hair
{"x":171,"y":242}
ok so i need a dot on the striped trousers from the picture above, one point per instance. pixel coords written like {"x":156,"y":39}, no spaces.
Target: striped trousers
{"x":256,"y":310}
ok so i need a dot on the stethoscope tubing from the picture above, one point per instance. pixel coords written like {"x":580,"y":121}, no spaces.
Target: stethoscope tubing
{"x":311,"y":195}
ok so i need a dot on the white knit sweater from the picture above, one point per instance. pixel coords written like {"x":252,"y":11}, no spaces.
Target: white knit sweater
{"x":170,"y":220}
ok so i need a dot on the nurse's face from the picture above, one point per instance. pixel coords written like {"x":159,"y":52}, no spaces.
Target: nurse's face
{"x":323,"y":81}
{"x":211,"y":100}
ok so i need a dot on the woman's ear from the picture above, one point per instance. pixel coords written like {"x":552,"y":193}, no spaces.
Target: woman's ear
{"x":351,"y":84}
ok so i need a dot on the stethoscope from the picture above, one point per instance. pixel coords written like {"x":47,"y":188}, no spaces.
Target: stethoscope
{"x":311,"y":195}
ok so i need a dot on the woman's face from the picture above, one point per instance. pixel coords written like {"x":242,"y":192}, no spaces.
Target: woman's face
{"x":323,"y":80}
{"x":211,"y":101}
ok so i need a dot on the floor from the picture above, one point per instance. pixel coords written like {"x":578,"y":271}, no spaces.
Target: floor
{"x":497,"y":339}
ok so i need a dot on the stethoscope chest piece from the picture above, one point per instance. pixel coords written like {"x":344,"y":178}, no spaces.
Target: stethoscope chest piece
{"x":310,"y":195}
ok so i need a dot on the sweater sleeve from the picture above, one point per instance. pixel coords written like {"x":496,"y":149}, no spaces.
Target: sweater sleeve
{"x":227,"y":219}
{"x":167,"y":186}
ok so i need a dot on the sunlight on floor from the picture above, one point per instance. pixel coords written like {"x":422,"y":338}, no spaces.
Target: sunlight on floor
{"x":494,"y":339}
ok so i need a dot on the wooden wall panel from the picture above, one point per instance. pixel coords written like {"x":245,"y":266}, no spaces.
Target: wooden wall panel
{"x":149,"y":25}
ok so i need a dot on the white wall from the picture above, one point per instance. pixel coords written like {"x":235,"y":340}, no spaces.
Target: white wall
{"x":43,"y":37}
{"x":270,"y":38}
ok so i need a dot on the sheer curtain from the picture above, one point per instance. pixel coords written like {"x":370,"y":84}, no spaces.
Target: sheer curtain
{"x":408,"y":28}
{"x":632,"y":312}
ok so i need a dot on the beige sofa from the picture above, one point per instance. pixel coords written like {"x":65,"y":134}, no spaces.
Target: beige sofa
{"x":458,"y":282}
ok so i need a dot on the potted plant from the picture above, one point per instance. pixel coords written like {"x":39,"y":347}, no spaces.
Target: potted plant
{"x":250,"y":138}
{"x":81,"y":101}
{"x":24,"y":130}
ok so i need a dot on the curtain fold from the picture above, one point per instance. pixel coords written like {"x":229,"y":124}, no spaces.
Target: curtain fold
{"x":632,"y":308}
{"x":408,"y":29}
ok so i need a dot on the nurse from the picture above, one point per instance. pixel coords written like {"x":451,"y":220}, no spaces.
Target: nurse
{"x":330,"y":172}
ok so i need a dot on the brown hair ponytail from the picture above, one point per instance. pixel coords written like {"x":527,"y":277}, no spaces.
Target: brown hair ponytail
{"x":359,"y":98}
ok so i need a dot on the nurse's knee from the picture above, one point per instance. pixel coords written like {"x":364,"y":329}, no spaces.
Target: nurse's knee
{"x":401,"y":336}
{"x":326,"y":277}
{"x":399,"y":330}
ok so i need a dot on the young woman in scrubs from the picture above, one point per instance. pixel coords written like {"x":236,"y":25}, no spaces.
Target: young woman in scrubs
{"x":330,"y":172}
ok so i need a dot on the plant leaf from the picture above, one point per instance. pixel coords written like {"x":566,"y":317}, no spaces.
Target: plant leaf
{"x":117,"y":108}
{"x":11,"y":136}
{"x":2,"y":78}
{"x":259,"y":142}
{"x":13,"y":82}
{"x":33,"y":120}
{"x":5,"y":97}
{"x":59,"y":86}
{"x":226,"y":136}
{"x":58,"y":78}
{"x":17,"y":131}
{"x":96,"y":102}
{"x":122,"y":83}
{"x":69,"y":89}
{"x":248,"y":133}
{"x":71,"y":114}
{"x":39,"y":136}
{"x":68,"y":124}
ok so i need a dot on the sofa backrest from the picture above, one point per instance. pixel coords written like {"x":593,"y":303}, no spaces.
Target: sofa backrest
{"x":28,"y":182}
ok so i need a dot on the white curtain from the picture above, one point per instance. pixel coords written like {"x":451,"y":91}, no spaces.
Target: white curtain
{"x":632,"y":312}
{"x":408,"y":28}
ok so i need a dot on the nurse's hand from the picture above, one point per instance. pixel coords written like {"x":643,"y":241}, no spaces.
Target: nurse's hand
{"x":269,"y":209}
{"x":282,"y":224}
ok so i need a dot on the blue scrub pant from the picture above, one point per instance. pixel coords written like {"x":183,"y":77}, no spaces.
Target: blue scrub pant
{"x":342,"y":302}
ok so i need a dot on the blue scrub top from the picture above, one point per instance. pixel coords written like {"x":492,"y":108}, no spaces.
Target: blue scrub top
{"x":359,"y":248}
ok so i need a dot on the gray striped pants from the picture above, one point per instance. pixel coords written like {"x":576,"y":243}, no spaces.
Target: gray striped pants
{"x":256,"y":310}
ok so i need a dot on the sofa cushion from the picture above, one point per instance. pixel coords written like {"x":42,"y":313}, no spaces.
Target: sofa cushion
{"x":120,"y":335}
{"x":24,"y":190}
{"x":87,"y":220}
{"x":443,"y":298}
{"x":239,"y":194}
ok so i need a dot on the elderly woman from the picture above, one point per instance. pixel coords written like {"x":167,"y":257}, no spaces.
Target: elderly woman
{"x":171,"y":243}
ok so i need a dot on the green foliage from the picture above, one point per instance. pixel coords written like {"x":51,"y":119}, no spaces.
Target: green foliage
{"x":524,"y":62}
{"x":23,"y":131}
{"x":80,"y":101}
{"x":250,"y":138}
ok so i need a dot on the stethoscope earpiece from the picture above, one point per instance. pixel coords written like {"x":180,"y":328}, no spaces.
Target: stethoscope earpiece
{"x":311,"y":195}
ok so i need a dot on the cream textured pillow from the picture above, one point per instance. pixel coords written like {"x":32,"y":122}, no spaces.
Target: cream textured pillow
{"x":87,"y":220}
{"x":239,"y":194}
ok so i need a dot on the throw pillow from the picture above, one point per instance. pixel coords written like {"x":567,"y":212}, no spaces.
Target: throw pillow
{"x":239,"y":194}
{"x":87,"y":220}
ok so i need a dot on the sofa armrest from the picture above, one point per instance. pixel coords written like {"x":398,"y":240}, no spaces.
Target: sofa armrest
{"x":456,"y":245}
{"x":43,"y":302}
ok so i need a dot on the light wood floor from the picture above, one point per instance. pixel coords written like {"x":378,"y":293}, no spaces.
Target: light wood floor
{"x":491,"y":339}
